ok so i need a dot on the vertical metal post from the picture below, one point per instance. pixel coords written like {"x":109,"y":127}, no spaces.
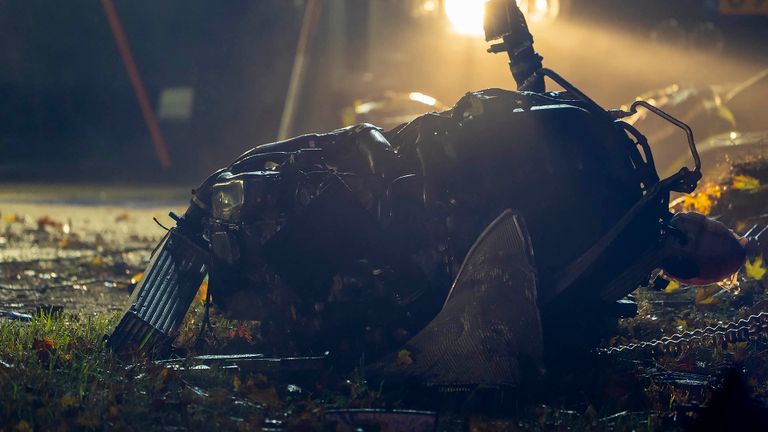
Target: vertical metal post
{"x":308,"y":26}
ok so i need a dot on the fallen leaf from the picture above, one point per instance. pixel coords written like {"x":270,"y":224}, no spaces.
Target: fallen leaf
{"x":726,"y":114}
{"x":404,"y":358}
{"x":67,"y":401}
{"x":202,"y":292}
{"x":702,"y":201}
{"x":755,"y":269}
{"x":136,"y":278}
{"x":706,"y":295}
{"x":746,"y":183}
{"x":236,"y":383}
{"x":13,"y":218}
{"x":672,"y":286}
{"x":43,"y":348}
{"x":241,"y":332}
{"x":43,"y":344}
{"x":739,"y":350}
{"x":244,"y":333}
{"x":46,"y":221}
{"x":23,"y":426}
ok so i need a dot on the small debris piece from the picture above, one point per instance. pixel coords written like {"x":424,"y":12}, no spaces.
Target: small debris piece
{"x":15,"y":316}
{"x":250,"y":362}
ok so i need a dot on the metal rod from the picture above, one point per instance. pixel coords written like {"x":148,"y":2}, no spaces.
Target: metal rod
{"x":161,"y":150}
{"x":676,"y":122}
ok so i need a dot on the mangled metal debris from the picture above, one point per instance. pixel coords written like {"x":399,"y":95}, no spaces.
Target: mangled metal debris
{"x":15,"y":316}
{"x":467,"y":247}
{"x":250,"y":363}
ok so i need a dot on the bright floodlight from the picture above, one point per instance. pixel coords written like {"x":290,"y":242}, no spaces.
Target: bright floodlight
{"x":466,"y":16}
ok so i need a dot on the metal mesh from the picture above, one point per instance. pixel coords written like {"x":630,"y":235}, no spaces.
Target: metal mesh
{"x":489,"y":330}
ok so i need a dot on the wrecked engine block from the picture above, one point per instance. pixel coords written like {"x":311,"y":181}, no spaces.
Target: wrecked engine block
{"x":496,"y":233}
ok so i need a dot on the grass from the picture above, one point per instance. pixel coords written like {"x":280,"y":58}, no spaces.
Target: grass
{"x":56,"y":375}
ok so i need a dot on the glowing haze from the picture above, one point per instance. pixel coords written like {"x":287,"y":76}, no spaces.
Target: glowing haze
{"x":466,"y":16}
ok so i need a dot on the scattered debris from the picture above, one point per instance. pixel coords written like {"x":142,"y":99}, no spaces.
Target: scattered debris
{"x":13,"y":315}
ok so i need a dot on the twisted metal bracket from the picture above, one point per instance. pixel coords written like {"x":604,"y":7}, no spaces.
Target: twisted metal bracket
{"x":685,"y":174}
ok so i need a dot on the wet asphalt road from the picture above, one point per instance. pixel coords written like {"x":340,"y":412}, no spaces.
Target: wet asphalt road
{"x":78,"y":247}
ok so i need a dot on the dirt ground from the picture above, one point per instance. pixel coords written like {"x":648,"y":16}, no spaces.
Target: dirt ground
{"x":77,"y":247}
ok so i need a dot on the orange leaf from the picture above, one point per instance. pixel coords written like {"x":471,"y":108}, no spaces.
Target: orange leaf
{"x":43,"y":348}
{"x":202,"y":292}
{"x":47,"y":221}
{"x":44,"y":344}
{"x":244,"y":333}
{"x":136,"y":278}
{"x":701,"y":201}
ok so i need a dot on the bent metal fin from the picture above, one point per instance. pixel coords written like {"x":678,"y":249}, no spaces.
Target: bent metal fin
{"x":489,"y":330}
